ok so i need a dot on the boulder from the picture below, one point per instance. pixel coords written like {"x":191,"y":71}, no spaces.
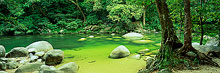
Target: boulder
{"x":17,"y":52}
{"x":2,"y":51}
{"x":133,"y":36}
{"x":206,"y":49}
{"x":39,"y":53}
{"x":12,"y":65}
{"x":120,"y":52}
{"x":53,"y":57}
{"x":49,"y":69}
{"x":71,"y":67}
{"x":212,"y":42}
{"x":29,"y":67}
{"x":2,"y":66}
{"x":39,"y":46}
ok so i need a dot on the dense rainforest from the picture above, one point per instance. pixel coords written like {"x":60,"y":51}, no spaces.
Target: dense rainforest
{"x":101,"y":16}
{"x":178,"y":21}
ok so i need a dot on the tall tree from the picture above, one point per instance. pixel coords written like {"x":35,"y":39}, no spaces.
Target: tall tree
{"x":169,"y":41}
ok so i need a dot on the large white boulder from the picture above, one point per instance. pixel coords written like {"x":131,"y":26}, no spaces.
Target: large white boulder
{"x":39,"y":46}
{"x":133,"y":36}
{"x":120,"y":52}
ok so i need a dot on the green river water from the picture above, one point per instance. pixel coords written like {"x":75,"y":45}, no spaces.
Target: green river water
{"x":91,"y":54}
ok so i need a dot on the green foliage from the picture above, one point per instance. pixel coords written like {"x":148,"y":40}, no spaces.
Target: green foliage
{"x":53,"y":16}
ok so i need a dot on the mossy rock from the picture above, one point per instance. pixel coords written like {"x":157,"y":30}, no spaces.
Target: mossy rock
{"x":109,"y":39}
{"x":116,"y":37}
{"x":142,"y":41}
{"x":82,"y":39}
{"x":158,"y":44}
{"x":147,"y":54}
{"x":143,"y":51}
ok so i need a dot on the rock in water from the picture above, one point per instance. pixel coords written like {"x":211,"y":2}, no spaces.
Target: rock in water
{"x":40,"y":46}
{"x":142,"y":41}
{"x":143,"y":51}
{"x":49,"y":69}
{"x":53,"y":57}
{"x":29,"y":67}
{"x":17,"y":52}
{"x":2,"y":51}
{"x":71,"y":67}
{"x":120,"y":52}
{"x":133,"y":36}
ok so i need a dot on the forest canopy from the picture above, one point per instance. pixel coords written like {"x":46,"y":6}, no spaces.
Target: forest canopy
{"x":101,"y":16}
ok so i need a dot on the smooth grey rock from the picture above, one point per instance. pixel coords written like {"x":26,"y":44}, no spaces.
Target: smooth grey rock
{"x":120,"y":52}
{"x":49,"y":69}
{"x":2,"y":66}
{"x":206,"y":49}
{"x":12,"y":65}
{"x":29,"y":67}
{"x":40,"y":53}
{"x":133,"y":36}
{"x":71,"y":67}
{"x":2,"y":51}
{"x":17,"y":52}
{"x":212,"y":42}
{"x":40,"y":46}
{"x":53,"y":57}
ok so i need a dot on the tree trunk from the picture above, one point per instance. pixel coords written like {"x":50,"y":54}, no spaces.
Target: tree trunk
{"x":181,"y":25}
{"x":187,"y":28}
{"x":169,"y":41}
{"x":201,"y":24}
{"x":77,"y":5}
